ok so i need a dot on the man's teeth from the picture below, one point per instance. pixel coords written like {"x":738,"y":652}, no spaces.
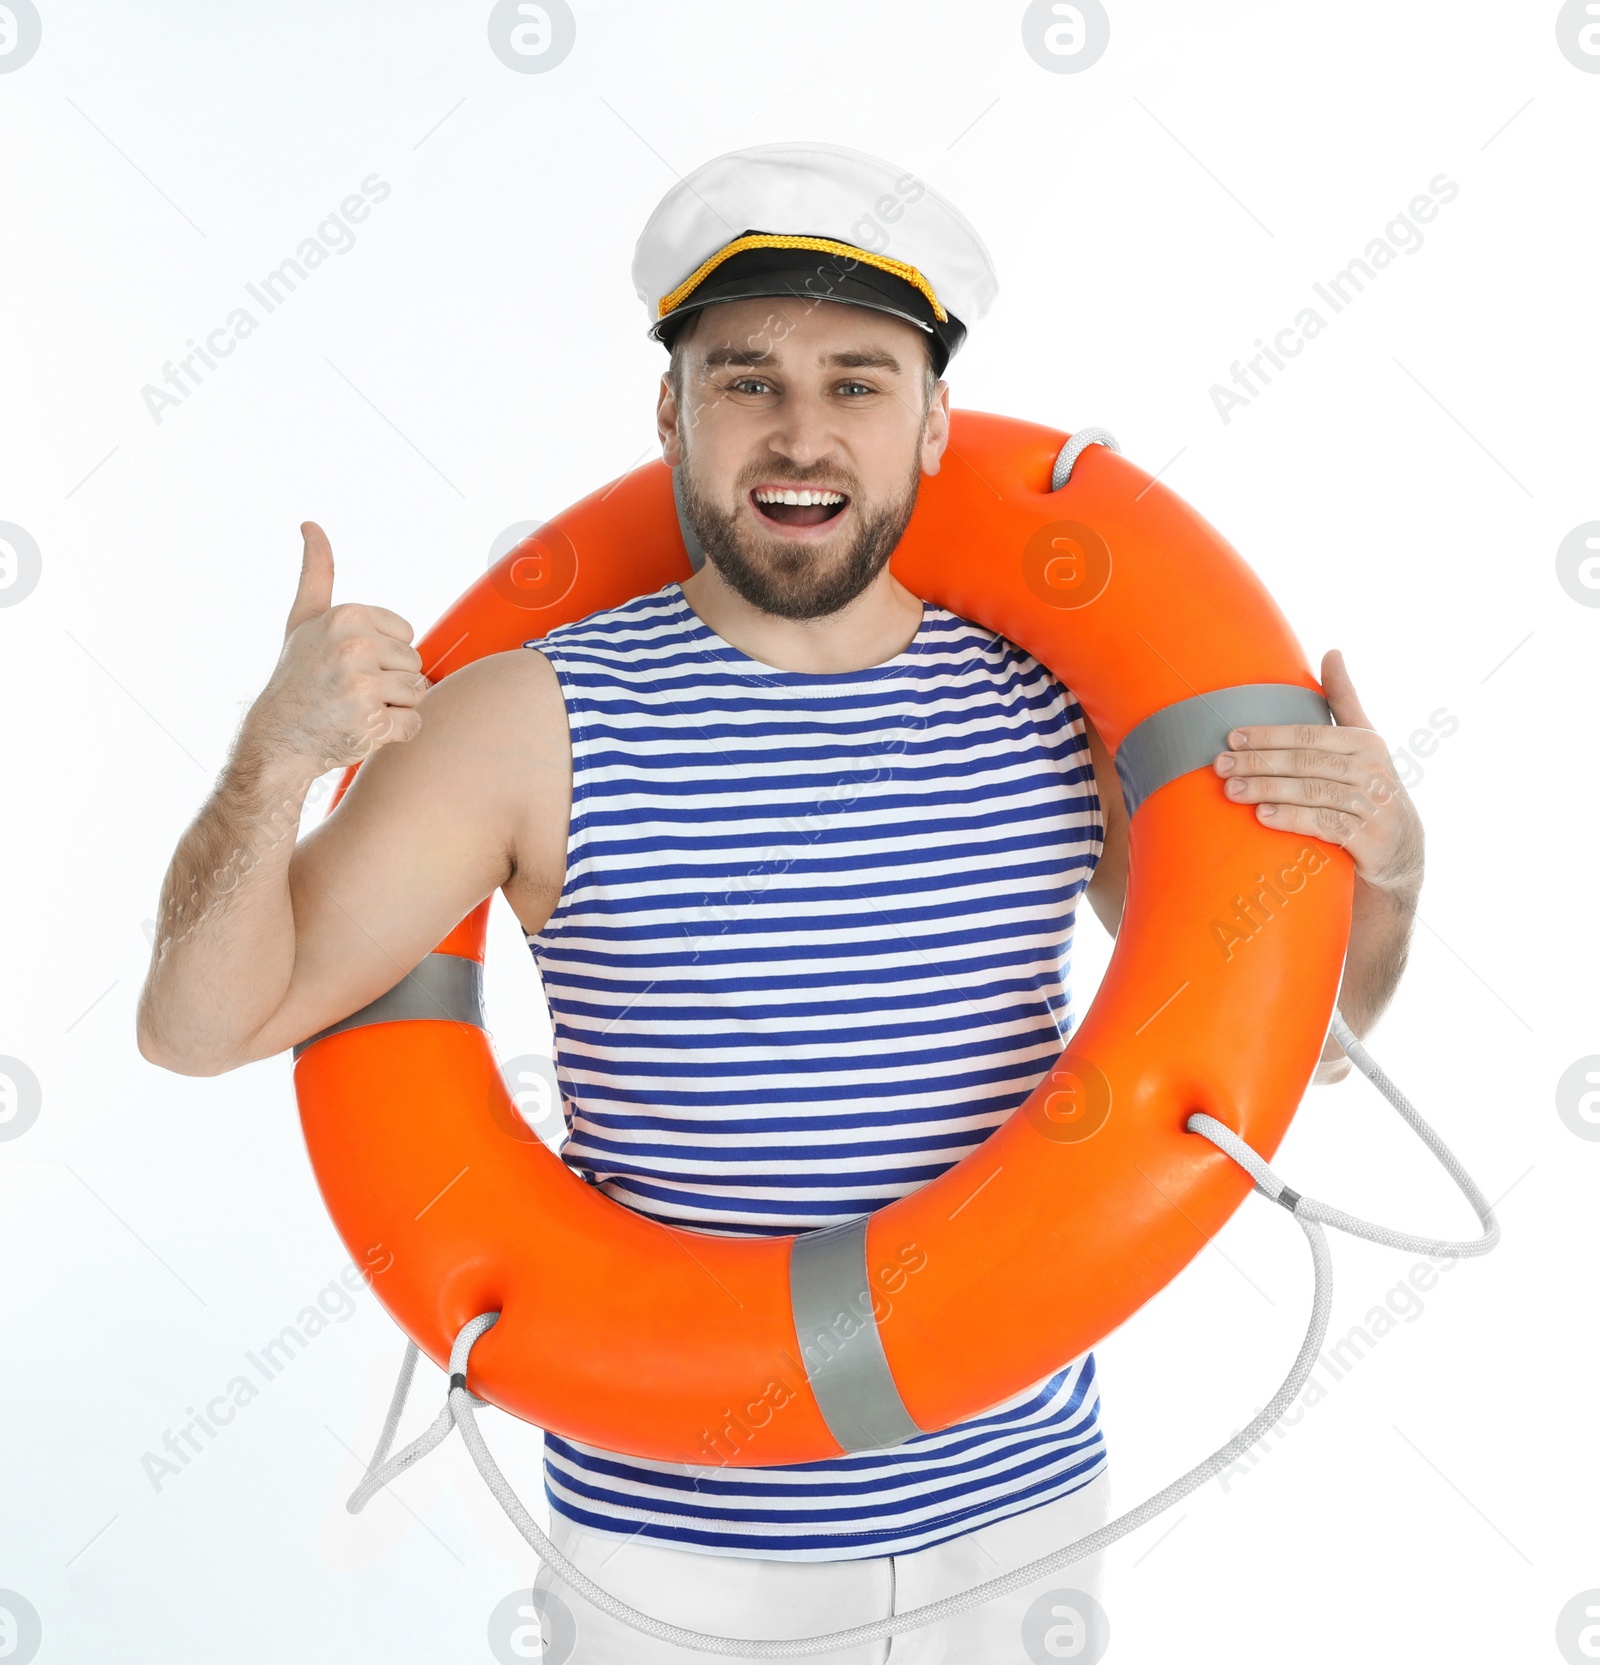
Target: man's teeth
{"x":802,"y":499}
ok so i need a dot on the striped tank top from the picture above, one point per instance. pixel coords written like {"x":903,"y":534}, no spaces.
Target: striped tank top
{"x":813,"y":946}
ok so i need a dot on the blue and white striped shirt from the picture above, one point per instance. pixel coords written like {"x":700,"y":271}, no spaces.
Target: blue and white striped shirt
{"x":813,"y":946}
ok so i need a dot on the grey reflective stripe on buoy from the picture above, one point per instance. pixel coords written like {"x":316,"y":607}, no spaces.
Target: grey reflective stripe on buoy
{"x":445,"y":986}
{"x":1188,"y":734}
{"x":839,"y":1342}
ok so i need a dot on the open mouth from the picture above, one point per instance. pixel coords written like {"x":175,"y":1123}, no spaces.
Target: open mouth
{"x":798,"y":508}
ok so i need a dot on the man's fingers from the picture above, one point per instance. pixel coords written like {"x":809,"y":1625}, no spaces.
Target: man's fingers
{"x":314,"y":596}
{"x":402,"y":688}
{"x":397,"y":656}
{"x":1332,"y":825}
{"x":348,"y":679}
{"x":1314,"y":793}
{"x":379,"y":620}
{"x":1316,"y":765}
{"x":1340,"y":692}
{"x":1299,"y":736}
{"x":377,"y":651}
{"x":392,"y":725}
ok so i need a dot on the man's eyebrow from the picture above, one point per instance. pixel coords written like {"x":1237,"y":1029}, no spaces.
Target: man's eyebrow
{"x":866,"y":359}
{"x":854,"y":359}
{"x":744,"y":356}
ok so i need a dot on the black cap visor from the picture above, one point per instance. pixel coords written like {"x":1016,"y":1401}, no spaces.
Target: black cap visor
{"x":809,"y":276}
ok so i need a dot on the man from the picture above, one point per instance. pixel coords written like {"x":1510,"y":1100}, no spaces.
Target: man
{"x":799,"y":860}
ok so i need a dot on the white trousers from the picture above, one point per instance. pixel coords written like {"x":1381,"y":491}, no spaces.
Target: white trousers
{"x":735,"y":1595}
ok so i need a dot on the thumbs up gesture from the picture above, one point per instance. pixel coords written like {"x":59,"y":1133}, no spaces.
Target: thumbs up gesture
{"x":348,"y":679}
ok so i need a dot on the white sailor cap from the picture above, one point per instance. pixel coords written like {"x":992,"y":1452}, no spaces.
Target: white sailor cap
{"x":813,"y":222}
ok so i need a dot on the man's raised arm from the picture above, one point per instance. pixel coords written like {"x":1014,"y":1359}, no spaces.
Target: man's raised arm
{"x":261,"y":941}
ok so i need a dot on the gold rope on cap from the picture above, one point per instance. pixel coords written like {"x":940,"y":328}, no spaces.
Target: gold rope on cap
{"x":821,"y":245}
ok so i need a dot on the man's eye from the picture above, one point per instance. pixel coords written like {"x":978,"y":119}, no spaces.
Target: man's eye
{"x":750,"y":384}
{"x":860,"y":387}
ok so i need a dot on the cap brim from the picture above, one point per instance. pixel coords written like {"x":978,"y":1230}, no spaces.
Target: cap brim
{"x":945,"y":336}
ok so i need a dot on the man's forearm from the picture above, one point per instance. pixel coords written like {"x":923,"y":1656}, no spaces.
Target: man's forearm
{"x":1381,"y":921}
{"x":225,"y":941}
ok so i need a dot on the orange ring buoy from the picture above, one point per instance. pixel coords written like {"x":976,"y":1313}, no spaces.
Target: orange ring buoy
{"x":650,"y":1339}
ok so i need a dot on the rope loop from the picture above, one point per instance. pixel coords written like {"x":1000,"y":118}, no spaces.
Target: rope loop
{"x":461,"y":1405}
{"x":1080,"y":442}
{"x":381,"y":1472}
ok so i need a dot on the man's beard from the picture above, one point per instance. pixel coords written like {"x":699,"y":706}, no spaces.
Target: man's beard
{"x":797,"y":581}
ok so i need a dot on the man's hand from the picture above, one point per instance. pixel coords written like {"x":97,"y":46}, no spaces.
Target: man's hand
{"x":348,"y":679}
{"x":1332,"y":783}
{"x":1336,"y":784}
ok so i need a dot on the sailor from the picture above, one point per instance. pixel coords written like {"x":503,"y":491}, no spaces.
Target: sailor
{"x":811,"y":298}
{"x":798,"y":857}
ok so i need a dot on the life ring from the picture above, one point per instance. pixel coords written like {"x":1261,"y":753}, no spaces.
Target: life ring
{"x":663,"y":1342}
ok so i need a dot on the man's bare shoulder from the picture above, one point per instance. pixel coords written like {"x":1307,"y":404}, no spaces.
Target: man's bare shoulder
{"x":512,"y":707}
{"x":517,"y":687}
{"x":505,"y":706}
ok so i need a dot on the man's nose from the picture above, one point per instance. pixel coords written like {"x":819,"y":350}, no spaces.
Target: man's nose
{"x":802,"y":430}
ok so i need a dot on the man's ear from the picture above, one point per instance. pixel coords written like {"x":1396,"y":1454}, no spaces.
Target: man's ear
{"x":936,"y":429}
{"x":667,"y":425}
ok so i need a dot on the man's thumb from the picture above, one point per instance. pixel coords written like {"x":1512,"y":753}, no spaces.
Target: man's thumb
{"x":315,"y":594}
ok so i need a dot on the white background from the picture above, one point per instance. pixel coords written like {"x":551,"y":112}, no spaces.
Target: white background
{"x":478,"y":358}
